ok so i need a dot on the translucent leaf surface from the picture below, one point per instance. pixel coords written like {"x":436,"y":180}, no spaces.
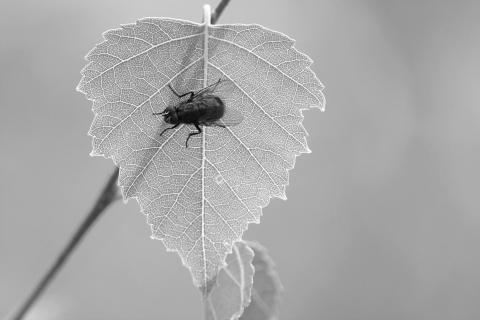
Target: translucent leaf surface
{"x":232,"y":289}
{"x":267,"y":287}
{"x":199,"y":200}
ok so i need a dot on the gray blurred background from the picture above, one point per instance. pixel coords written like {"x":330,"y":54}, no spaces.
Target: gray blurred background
{"x":382,"y":219}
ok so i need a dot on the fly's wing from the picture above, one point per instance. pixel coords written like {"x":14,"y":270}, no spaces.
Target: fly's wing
{"x":222,"y":88}
{"x":231,"y":117}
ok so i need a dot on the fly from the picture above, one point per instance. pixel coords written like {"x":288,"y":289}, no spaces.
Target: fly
{"x":202,"y":108}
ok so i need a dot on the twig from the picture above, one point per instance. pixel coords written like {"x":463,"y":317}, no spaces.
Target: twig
{"x":108,"y":195}
{"x":218,"y":11}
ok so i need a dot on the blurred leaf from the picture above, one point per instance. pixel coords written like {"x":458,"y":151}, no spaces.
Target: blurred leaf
{"x":266,"y":287}
{"x":199,"y":200}
{"x":231,"y":292}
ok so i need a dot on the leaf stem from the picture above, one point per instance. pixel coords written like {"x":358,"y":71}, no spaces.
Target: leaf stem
{"x":214,"y":16}
{"x":108,"y":195}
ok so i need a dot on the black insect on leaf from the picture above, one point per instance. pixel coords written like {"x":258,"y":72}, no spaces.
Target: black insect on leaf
{"x":205,"y":107}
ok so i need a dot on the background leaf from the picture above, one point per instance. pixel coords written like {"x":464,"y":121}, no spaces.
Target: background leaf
{"x":232,"y":289}
{"x":267,"y":287}
{"x":199,"y":200}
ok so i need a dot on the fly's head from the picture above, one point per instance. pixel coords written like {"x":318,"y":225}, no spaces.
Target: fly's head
{"x":170,"y":115}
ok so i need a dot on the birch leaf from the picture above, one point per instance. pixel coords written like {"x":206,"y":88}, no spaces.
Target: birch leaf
{"x":232,"y":289}
{"x":267,"y":287}
{"x":199,"y":200}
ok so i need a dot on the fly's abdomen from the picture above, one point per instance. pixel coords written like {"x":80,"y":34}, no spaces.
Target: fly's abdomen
{"x":214,"y":109}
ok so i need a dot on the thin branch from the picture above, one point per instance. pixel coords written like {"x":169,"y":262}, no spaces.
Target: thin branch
{"x":108,"y":195}
{"x":218,"y":11}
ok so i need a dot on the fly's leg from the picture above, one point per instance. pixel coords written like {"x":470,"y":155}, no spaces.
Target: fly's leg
{"x":169,"y":128}
{"x":191,"y":93}
{"x":193,"y":133}
{"x":159,"y":113}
